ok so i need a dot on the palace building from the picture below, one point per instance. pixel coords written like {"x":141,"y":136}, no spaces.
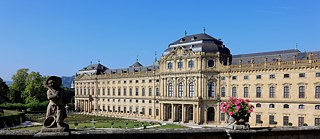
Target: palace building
{"x":195,"y":74}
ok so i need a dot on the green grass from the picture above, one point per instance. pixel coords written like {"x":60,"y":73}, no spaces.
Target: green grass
{"x":171,"y":126}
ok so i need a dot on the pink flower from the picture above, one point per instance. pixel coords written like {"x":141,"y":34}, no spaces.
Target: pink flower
{"x":230,"y":113}
{"x":238,"y":107}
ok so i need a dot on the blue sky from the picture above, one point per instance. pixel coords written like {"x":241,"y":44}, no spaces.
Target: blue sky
{"x":59,"y":37}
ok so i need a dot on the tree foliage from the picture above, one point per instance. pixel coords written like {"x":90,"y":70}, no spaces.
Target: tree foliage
{"x":35,"y":90}
{"x":18,"y":85}
{"x":4,"y":89}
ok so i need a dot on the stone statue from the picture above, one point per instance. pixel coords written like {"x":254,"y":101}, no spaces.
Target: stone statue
{"x":56,"y":111}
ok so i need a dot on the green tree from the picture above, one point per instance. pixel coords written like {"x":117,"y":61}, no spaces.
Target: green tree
{"x":35,"y":89}
{"x":18,"y":85}
{"x":4,"y":89}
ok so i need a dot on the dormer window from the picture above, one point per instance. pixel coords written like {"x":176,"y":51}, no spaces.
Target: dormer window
{"x":193,"y":38}
{"x":182,"y":40}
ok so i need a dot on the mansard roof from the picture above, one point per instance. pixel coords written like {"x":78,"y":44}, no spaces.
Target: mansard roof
{"x":273,"y":56}
{"x":94,"y":67}
{"x":199,"y":43}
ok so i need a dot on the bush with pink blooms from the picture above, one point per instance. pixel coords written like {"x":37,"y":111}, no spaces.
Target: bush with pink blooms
{"x":238,"y":108}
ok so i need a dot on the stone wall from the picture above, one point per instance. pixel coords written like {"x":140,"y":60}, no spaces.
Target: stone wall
{"x":199,"y":133}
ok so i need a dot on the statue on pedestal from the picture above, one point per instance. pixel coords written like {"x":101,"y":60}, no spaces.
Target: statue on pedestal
{"x":56,"y":111}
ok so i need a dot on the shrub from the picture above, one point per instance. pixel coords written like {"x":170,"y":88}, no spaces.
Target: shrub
{"x":290,"y":124}
{"x":304,"y":124}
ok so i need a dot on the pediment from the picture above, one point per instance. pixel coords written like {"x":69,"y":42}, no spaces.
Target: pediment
{"x":179,"y":53}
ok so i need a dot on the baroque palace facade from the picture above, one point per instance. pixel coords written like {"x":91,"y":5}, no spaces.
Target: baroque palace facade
{"x":195,"y":74}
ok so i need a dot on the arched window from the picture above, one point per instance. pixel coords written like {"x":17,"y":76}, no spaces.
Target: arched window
{"x":170,"y":90}
{"x":180,"y":65}
{"x":317,"y":107}
{"x":190,"y":64}
{"x":223,"y":92}
{"x":317,"y":92}
{"x":271,"y":105}
{"x":286,"y":92}
{"x":210,"y":63}
{"x":301,"y":91}
{"x":301,"y":106}
{"x":191,"y":90}
{"x":234,"y":92}
{"x":180,"y":90}
{"x":169,"y":65}
{"x":286,"y":106}
{"x":258,"y":105}
{"x":211,"y":89}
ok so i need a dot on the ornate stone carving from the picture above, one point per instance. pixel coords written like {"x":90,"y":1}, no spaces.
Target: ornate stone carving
{"x":56,"y":111}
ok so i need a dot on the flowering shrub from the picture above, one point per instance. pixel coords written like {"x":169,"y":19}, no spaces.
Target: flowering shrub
{"x":238,"y":108}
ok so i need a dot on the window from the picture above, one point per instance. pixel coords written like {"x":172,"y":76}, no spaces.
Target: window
{"x":318,"y":74}
{"x":223,"y":78}
{"x":150,"y":111}
{"x":190,"y":64}
{"x":271,"y":105}
{"x":286,"y":92}
{"x":103,"y":91}
{"x":234,"y":92}
{"x":211,"y":89}
{"x":285,"y":120}
{"x":317,"y":92}
{"x":157,"y":92}
{"x":169,"y":65}
{"x":286,"y":75}
{"x":316,"y":121}
{"x":191,"y":90}
{"x":84,"y":91}
{"x":286,"y":106}
{"x":258,"y":77}
{"x":150,"y":91}
{"x":124,"y":91}
{"x":234,"y":77}
{"x":130,"y":109}
{"x":180,"y":90}
{"x":143,"y":91}
{"x":170,"y":90}
{"x":143,"y":81}
{"x":157,"y":112}
{"x":301,"y":106}
{"x":258,"y":92}
{"x":180,"y":65}
{"x":258,"y":119}
{"x":271,"y":119}
{"x":124,"y":82}
{"x":222,"y":116}
{"x":88,"y":91}
{"x":130,"y":91}
{"x":150,"y":101}
{"x":137,"y":110}
{"x":223,"y":92}
{"x":258,"y":105}
{"x":301,"y":91}
{"x":119,"y":91}
{"x":113,"y":91}
{"x":124,"y":109}
{"x":137,"y":81}
{"x":137,"y":91}
{"x":245,"y":77}
{"x":300,"y":121}
{"x":301,"y":75}
{"x":271,"y":92}
{"x":272,"y":76}
{"x":245,"y":92}
{"x":137,"y":101}
{"x":142,"y":101}
{"x":210,"y":63}
{"x":317,"y":107}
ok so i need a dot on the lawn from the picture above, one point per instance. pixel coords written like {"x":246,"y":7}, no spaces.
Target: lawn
{"x":86,"y":121}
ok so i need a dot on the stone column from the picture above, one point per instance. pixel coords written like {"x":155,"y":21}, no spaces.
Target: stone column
{"x":194,"y":114}
{"x":173,"y":113}
{"x":183,"y":113}
{"x":161,"y":112}
{"x":205,"y":117}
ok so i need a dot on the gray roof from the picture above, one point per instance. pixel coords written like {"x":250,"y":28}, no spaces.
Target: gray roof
{"x":132,"y":69}
{"x":136,"y":64}
{"x":273,"y":56}
{"x":94,"y":67}
{"x":199,"y":43}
